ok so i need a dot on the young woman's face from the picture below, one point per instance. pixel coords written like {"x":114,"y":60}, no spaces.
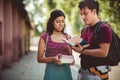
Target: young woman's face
{"x":87,"y":15}
{"x":59,"y":23}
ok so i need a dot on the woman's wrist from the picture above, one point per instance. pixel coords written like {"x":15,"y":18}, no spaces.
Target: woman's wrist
{"x":53,"y":59}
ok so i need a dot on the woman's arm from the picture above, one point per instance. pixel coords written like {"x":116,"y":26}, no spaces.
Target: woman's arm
{"x":40,"y":57}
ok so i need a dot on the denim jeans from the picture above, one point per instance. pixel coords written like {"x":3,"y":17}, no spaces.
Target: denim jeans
{"x":87,"y":77}
{"x":85,"y":74}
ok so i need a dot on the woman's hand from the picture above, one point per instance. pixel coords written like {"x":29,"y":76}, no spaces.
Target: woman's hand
{"x":57,"y":59}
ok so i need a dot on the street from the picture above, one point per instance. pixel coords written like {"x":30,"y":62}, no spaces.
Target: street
{"x":29,"y":69}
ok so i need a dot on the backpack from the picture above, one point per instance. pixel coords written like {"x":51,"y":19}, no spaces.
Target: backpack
{"x":113,"y":57}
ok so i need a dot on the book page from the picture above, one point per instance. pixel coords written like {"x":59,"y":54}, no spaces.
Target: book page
{"x":73,"y":41}
{"x":76,"y":39}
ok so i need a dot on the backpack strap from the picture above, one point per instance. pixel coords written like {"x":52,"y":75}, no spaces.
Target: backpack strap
{"x":97,"y":28}
{"x":46,"y":42}
{"x":46,"y":45}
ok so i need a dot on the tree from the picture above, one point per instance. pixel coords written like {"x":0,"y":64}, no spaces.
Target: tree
{"x":110,"y":10}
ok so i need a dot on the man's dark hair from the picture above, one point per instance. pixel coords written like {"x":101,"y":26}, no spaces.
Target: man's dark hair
{"x":90,"y":4}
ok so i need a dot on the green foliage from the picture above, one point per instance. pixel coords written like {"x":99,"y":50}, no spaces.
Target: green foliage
{"x":109,"y":11}
{"x":49,"y":2}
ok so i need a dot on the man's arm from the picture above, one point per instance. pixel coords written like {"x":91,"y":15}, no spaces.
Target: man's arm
{"x":100,"y":52}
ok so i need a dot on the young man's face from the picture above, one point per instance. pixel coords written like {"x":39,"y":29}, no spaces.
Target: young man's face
{"x":87,"y":15}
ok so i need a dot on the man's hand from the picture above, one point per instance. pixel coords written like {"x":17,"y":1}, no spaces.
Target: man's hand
{"x":79,"y":48}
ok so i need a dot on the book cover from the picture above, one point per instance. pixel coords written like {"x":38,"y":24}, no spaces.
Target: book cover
{"x":66,"y":58}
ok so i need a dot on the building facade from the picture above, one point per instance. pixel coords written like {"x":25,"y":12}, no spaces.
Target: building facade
{"x":15,"y":30}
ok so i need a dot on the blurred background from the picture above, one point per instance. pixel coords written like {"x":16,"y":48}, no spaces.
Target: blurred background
{"x":23,"y":21}
{"x":39,"y":11}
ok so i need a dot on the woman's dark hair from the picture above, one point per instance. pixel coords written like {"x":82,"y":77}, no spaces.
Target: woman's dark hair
{"x":90,"y":4}
{"x":54,"y":14}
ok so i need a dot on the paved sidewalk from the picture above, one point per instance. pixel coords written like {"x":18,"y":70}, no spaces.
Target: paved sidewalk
{"x":29,"y":69}
{"x":115,"y":73}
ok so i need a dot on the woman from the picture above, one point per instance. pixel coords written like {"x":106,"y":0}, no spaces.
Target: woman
{"x":55,"y":46}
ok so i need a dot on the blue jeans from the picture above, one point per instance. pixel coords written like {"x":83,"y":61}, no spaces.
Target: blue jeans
{"x":85,"y":74}
{"x":88,"y":77}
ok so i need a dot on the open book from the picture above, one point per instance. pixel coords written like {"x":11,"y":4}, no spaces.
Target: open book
{"x":74,"y":40}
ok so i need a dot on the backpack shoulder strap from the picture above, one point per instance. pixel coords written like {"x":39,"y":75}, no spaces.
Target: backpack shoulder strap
{"x":97,"y":28}
{"x":46,"y":44}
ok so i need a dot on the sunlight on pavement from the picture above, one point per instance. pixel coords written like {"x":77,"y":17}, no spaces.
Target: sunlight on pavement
{"x":33,"y":48}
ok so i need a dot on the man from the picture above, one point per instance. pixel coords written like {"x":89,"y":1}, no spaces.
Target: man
{"x":93,"y":64}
